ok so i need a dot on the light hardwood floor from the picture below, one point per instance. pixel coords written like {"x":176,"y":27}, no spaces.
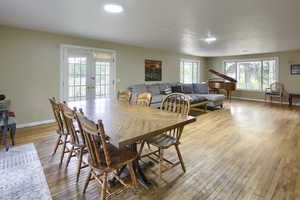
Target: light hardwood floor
{"x":247,"y":150}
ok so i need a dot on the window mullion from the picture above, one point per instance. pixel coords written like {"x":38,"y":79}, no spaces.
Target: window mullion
{"x":183,"y":70}
{"x":261,"y":76}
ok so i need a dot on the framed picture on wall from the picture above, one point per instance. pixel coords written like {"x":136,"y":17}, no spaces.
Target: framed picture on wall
{"x":295,"y":69}
{"x":152,"y":70}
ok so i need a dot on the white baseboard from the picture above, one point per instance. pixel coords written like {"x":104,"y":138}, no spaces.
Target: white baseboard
{"x":262,"y":100}
{"x":35,"y":123}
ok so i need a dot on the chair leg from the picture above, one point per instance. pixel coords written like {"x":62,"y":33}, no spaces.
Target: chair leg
{"x":4,"y":140}
{"x":132,"y":175}
{"x":79,"y":164}
{"x":87,"y":181}
{"x":148,"y":144}
{"x":57,"y":144}
{"x":161,"y":162}
{"x":104,"y":185}
{"x":12,"y":135}
{"x":70,"y":156}
{"x":63,"y":149}
{"x":141,"y":148}
{"x":265,"y":98}
{"x":180,"y":157}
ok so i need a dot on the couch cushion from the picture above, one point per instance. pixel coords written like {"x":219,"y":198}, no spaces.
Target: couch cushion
{"x":188,"y":88}
{"x":214,"y":97}
{"x":177,"y":88}
{"x":272,"y":93}
{"x":200,"y":88}
{"x":166,"y":91}
{"x":157,"y":99}
{"x":196,"y":98}
{"x":163,"y":86}
{"x":138,"y":89}
{"x":153,"y":89}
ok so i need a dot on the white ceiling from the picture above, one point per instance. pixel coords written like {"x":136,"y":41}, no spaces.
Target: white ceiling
{"x":241,"y":26}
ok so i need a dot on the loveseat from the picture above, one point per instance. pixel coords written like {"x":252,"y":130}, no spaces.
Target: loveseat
{"x":196,"y":91}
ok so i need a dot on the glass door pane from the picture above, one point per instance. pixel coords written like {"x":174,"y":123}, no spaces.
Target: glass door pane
{"x":103,"y":82}
{"x":77,"y":84}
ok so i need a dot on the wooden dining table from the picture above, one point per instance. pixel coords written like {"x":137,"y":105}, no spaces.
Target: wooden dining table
{"x":128,"y":124}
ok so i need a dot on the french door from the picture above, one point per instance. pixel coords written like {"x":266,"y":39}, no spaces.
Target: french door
{"x":87,"y":73}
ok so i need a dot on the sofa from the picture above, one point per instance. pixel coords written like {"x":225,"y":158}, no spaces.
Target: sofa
{"x":197,"y":92}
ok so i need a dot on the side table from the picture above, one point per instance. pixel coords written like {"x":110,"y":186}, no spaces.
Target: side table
{"x":291,"y":96}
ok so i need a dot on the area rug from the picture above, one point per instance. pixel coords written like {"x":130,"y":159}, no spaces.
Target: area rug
{"x":21,"y":175}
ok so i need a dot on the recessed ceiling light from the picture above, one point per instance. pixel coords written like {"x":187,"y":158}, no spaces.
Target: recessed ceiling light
{"x":113,"y":8}
{"x":210,"y":39}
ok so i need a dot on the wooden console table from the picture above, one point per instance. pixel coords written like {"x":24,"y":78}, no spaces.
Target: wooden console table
{"x":291,"y":96}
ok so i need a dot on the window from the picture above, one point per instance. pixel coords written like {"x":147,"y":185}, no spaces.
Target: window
{"x":189,"y":71}
{"x":254,"y":74}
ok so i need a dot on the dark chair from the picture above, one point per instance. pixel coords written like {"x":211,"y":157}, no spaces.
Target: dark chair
{"x":7,"y":123}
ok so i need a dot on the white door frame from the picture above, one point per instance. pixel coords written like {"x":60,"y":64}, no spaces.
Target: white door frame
{"x":63,"y":69}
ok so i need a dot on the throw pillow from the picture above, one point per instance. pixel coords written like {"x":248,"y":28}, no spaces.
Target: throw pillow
{"x":188,"y":88}
{"x":166,"y":91}
{"x":177,"y":88}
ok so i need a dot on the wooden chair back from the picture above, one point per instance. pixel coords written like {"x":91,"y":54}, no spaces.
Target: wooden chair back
{"x":90,"y":131}
{"x":177,"y":103}
{"x":57,"y":114}
{"x":99,"y":154}
{"x":277,"y":87}
{"x":124,"y":96}
{"x":69,"y":117}
{"x":144,"y":99}
{"x":104,"y":143}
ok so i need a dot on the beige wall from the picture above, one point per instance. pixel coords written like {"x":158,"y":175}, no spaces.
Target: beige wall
{"x":30,"y":68}
{"x":291,"y":82}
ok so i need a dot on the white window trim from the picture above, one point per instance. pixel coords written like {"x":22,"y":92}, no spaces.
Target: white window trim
{"x":190,"y":60}
{"x":254,"y":59}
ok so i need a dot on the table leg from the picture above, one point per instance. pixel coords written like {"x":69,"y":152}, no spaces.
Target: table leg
{"x":138,"y":169}
{"x":290,"y":100}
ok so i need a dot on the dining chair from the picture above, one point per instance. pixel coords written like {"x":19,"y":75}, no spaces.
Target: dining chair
{"x":105,"y":159}
{"x":276,"y":89}
{"x":63,"y":135}
{"x":124,"y":96}
{"x":144,"y":99}
{"x":77,"y":142}
{"x":177,"y":103}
